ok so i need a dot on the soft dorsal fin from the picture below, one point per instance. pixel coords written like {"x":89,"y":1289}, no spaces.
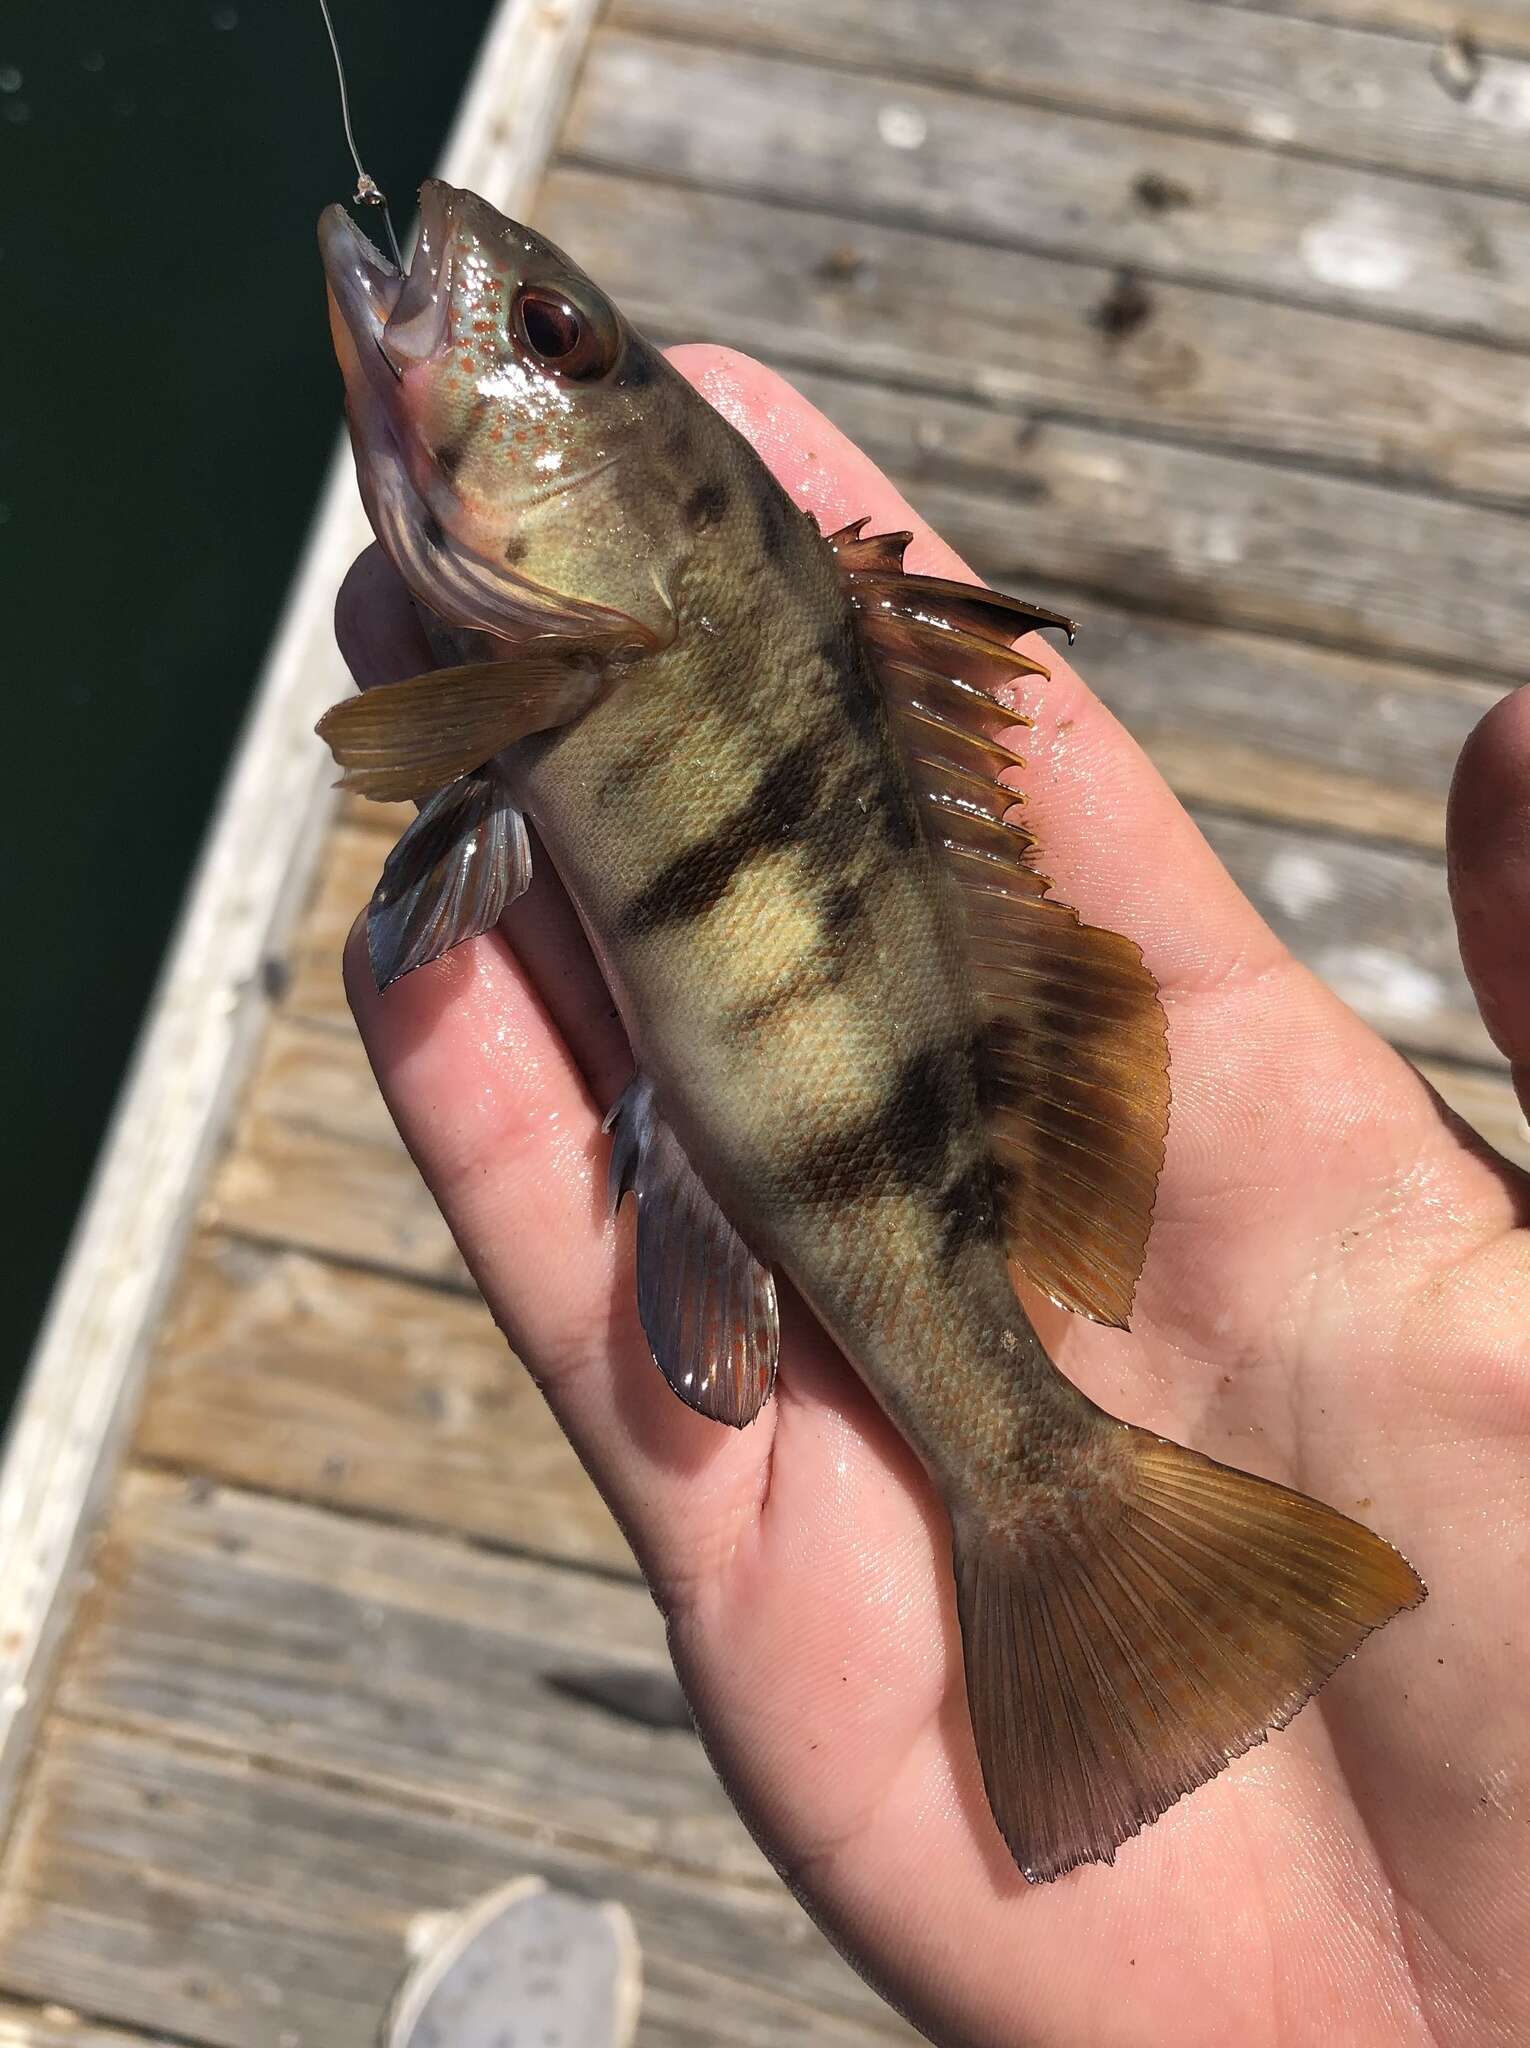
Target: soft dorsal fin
{"x":1076,"y":1040}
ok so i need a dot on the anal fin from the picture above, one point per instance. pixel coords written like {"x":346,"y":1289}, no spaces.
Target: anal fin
{"x":707,"y":1305}
{"x":465,"y":857}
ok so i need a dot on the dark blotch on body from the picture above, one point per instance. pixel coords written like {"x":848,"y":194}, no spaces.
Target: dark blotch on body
{"x":516,"y":550}
{"x":775,"y":517}
{"x":971,"y":1211}
{"x":705,"y":506}
{"x":904,"y":1147}
{"x":841,"y":908}
{"x":776,"y":812}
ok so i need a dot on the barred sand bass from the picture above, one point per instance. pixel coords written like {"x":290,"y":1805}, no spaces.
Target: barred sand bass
{"x":872,"y":1052}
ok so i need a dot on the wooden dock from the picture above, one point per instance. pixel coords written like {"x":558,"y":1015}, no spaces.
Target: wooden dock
{"x":1207,"y":321}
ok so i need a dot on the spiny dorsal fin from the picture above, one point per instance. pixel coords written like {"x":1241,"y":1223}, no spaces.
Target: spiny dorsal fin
{"x":1077,"y":1056}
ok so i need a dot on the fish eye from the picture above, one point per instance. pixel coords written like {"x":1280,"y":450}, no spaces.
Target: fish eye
{"x":564,"y":336}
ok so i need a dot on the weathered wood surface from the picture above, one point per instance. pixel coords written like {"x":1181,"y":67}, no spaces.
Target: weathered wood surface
{"x":315,"y":1162}
{"x":56,"y":2026}
{"x":1371,"y":242}
{"x":281,"y":1370}
{"x":1046,"y":335}
{"x":403,"y":1664}
{"x":1490,"y":24}
{"x":1214,"y":537}
{"x":1272,"y":79}
{"x":243,"y":1907}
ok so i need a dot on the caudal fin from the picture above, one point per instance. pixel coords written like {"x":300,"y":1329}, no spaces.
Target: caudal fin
{"x":1122,"y":1653}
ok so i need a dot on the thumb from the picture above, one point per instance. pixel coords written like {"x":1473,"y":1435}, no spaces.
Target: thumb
{"x":1488,"y":849}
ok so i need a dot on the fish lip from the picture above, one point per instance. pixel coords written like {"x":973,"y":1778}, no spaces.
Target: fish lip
{"x":366,"y":286}
{"x":417,"y":322}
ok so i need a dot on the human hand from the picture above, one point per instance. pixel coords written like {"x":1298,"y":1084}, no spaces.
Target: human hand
{"x":1337,"y":1294}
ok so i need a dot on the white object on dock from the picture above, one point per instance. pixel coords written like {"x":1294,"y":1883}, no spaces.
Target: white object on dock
{"x":524,"y":1966}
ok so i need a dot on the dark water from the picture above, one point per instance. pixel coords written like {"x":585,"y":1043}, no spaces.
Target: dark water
{"x":167,"y":403}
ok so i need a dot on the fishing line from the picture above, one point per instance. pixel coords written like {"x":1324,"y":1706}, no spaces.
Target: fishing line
{"x":367,"y":188}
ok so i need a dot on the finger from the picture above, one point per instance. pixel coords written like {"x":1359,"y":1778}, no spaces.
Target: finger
{"x":496,"y":1114}
{"x":376,"y":624}
{"x":1488,"y":848}
{"x":380,"y":635}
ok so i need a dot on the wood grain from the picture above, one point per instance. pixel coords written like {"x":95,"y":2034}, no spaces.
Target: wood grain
{"x":1215,"y":537}
{"x":1041,"y":335}
{"x":286,"y":1372}
{"x":315,"y":1161}
{"x":1280,"y":227}
{"x":248,"y":1908}
{"x":1268,"y":78}
{"x":55,"y":2026}
{"x":1486,"y":1100}
{"x":1496,"y":24}
{"x":413,"y":1666}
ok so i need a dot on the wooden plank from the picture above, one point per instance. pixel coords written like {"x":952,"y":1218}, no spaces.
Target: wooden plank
{"x":56,"y":2026}
{"x":1487,"y":1102}
{"x":246,"y":1908}
{"x":1373,"y":922}
{"x":353,"y":858}
{"x":316,"y":1162}
{"x":282,"y":1371}
{"x":1283,"y":730}
{"x":1038,"y":335}
{"x":83,"y":1382}
{"x":1267,"y":78}
{"x":1280,"y":227}
{"x":412,"y":1666}
{"x":1492,"y":24}
{"x":1215,"y":537}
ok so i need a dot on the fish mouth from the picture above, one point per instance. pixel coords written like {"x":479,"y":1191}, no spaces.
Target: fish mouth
{"x":395,"y":317}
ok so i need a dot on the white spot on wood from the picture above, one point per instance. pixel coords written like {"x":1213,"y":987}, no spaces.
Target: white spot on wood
{"x":1382,"y":984}
{"x":1297,"y":882}
{"x":902,"y":127}
{"x":1269,"y":124}
{"x":1201,"y":540}
{"x":1501,"y":96}
{"x":425,"y":1931}
{"x":1357,"y":248}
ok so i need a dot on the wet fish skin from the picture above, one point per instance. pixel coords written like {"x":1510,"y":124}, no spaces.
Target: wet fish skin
{"x":875,"y":1057}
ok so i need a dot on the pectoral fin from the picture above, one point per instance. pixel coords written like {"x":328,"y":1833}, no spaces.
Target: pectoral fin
{"x":707,"y":1305}
{"x":410,"y":739}
{"x":462,"y":860}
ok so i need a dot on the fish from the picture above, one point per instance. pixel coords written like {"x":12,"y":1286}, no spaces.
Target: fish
{"x":874,"y":1055}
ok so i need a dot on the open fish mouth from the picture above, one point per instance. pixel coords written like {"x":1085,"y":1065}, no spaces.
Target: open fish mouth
{"x":395,"y":318}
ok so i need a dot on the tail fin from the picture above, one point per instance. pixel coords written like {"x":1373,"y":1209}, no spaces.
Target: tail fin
{"x":1122,"y":1655}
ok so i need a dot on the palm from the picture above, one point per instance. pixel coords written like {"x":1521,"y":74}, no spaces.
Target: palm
{"x":1335,"y":1294}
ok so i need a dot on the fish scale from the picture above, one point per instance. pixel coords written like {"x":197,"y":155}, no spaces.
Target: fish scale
{"x":874,"y":1054}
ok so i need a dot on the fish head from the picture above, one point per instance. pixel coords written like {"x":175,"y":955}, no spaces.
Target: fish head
{"x":499,"y":409}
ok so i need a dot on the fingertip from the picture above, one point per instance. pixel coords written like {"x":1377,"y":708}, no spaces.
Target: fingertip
{"x":376,"y":626}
